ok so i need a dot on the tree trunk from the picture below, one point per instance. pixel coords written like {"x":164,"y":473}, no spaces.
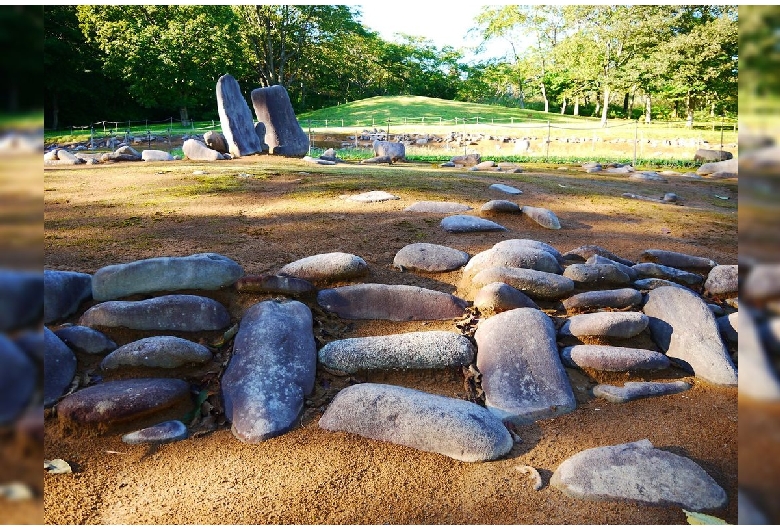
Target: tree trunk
{"x":605,"y":109}
{"x":55,"y":112}
{"x":676,"y":110}
{"x":689,"y":111}
{"x":647,"y":108}
{"x":631,"y":105}
{"x":577,"y":106}
{"x":563,"y":107}
{"x":184,"y":115}
{"x":625,"y":104}
{"x":712,"y":110}
{"x":522,"y":99}
{"x":544,"y":97}
{"x":598,"y":107}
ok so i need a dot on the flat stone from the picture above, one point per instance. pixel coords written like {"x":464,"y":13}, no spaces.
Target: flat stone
{"x":543,"y":217}
{"x":63,"y":293}
{"x":283,"y":134}
{"x":271,"y":371}
{"x":157,"y":352}
{"x":625,"y":269}
{"x":501,"y":206}
{"x":274,"y":284}
{"x":521,"y":257}
{"x":722,"y":280}
{"x":618,"y":324}
{"x":757,"y":376}
{"x":506,"y":189}
{"x":165,"y":432}
{"x":498,"y":297}
{"x":638,"y":390}
{"x":437,"y":207}
{"x":654,"y":270}
{"x":452,"y":427}
{"x":586,"y":251}
{"x":601,"y":275}
{"x":685,"y":329}
{"x":236,"y":118}
{"x":677,"y":260}
{"x":522,"y":375}
{"x":156,"y":155}
{"x":613,"y":358}
{"x":637,"y":471}
{"x":59,"y":367}
{"x":469,"y":223}
{"x":175,"y":312}
{"x":86,"y":340}
{"x":373,"y":196}
{"x":405,"y":351}
{"x":323,"y":268}
{"x":536,"y":284}
{"x":207,"y":271}
{"x":430,"y":258}
{"x":727,"y":167}
{"x":322,"y":162}
{"x":612,"y":298}
{"x":18,"y":379}
{"x":373,"y":301}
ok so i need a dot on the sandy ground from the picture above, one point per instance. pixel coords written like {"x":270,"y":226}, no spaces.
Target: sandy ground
{"x":96,"y":216}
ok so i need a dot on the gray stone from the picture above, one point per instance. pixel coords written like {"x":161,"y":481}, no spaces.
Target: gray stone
{"x":32,"y":343}
{"x":711,"y":155}
{"x":236,"y":118}
{"x":319,"y":161}
{"x":509,"y":167}
{"x":175,"y":312}
{"x":206,"y":271}
{"x":543,"y":217}
{"x":274,"y":284}
{"x":284,"y":134}
{"x":390,"y":302}
{"x":437,"y":207}
{"x":638,"y":390}
{"x":157,"y":352}
{"x":498,"y":297}
{"x":613,"y":298}
{"x":516,"y":256}
{"x":500,"y":206}
{"x":87,"y":340}
{"x":600,"y":275}
{"x":487,"y":164}
{"x":747,"y":511}
{"x":762,"y":283}
{"x":156,"y":155}
{"x":59,"y":367}
{"x":722,"y":280}
{"x":601,"y":260}
{"x":677,"y":260}
{"x":260,"y":131}
{"x":586,"y":251}
{"x":618,"y":324}
{"x":522,"y":375}
{"x":271,"y":371}
{"x":506,"y":189}
{"x":654,"y":270}
{"x":536,"y":284}
{"x":725,"y":169}
{"x":165,"y":432}
{"x":430,"y":258}
{"x":466,"y":160}
{"x":405,"y":351}
{"x":613,"y":358}
{"x":373,"y":196}
{"x":328,"y":267}
{"x":396,"y":151}
{"x":18,"y":379}
{"x":670,"y":197}
{"x":23,"y":299}
{"x":513,"y":243}
{"x":216,"y":140}
{"x":198,"y":151}
{"x":769,"y":331}
{"x":377,"y":160}
{"x":456,"y":428}
{"x":654,"y":283}
{"x":64,"y":157}
{"x":63,"y":293}
{"x":637,"y":471}
{"x":685,"y":329}
{"x":757,"y":377}
{"x":469,"y":223}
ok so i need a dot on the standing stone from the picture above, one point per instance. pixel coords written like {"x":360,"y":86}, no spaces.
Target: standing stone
{"x":619,"y":324}
{"x":685,"y":329}
{"x":543,"y":217}
{"x":271,"y":371}
{"x":452,"y":427}
{"x":206,"y":271}
{"x":327,"y":267}
{"x":522,"y":375}
{"x":637,"y":471}
{"x":371,"y":301}
{"x":59,"y":367}
{"x":260,"y":130}
{"x":284,"y":134}
{"x":430,"y":258}
{"x":677,"y":260}
{"x":236,"y":118}
{"x":175,"y":312}
{"x":17,"y":380}
{"x":21,"y":299}
{"x":157,"y":352}
{"x":63,"y":293}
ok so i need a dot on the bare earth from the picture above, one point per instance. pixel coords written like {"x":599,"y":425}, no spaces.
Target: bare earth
{"x":264,"y":213}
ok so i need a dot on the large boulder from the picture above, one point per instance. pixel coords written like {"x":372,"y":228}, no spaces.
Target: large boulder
{"x":17,"y":380}
{"x":283,"y":134}
{"x":23,"y":296}
{"x":236,"y":118}
{"x":198,"y":151}
{"x":711,"y":155}
{"x":396,"y":151}
{"x":724,"y":169}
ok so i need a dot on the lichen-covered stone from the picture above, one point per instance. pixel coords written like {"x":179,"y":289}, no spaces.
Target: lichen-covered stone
{"x":610,"y":298}
{"x":536,"y":284}
{"x":175,"y":312}
{"x":613,"y":358}
{"x":328,"y":267}
{"x":618,"y":324}
{"x":430,"y":258}
{"x":157,"y":352}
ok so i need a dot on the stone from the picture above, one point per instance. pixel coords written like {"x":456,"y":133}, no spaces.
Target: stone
{"x":198,"y":151}
{"x":468,"y":223}
{"x":498,"y":297}
{"x":487,"y":164}
{"x":466,"y":160}
{"x":536,"y":284}
{"x":613,"y":358}
{"x":236,"y":118}
{"x":23,"y":297}
{"x":601,"y":260}
{"x":260,"y":131}
{"x":59,"y":367}
{"x":637,"y":471}
{"x":677,"y":260}
{"x":319,"y":161}
{"x":156,"y":155}
{"x":500,"y":206}
{"x":722,"y":280}
{"x":638,"y":390}
{"x":18,"y":379}
{"x":63,"y":293}
{"x":513,"y":243}
{"x":757,"y":376}
{"x":769,"y":330}
{"x":437,"y":207}
{"x":271,"y":371}
{"x":612,"y":298}
{"x":32,"y":343}
{"x":617,"y":324}
{"x":396,"y":151}
{"x":685,"y":329}
{"x":175,"y":312}
{"x":207,"y":271}
{"x":543,"y":217}
{"x":284,"y":134}
{"x":506,"y":189}
{"x":323,"y":268}
{"x":509,"y":167}
{"x":724,"y":169}
{"x":377,"y":160}
{"x":522,"y":375}
{"x":711,"y":155}
{"x":584,"y":275}
{"x":165,"y":432}
{"x":390,"y":302}
{"x":516,"y":256}
{"x":429,"y":257}
{"x":586,"y":251}
{"x":216,"y":140}
{"x":427,"y":422}
{"x":157,"y":352}
{"x":404,"y":351}
{"x":373,"y":196}
{"x":275,"y":284}
{"x":654,"y":270}
{"x":63,"y":157}
{"x":116,"y":404}
{"x":762,"y":283}
{"x":747,"y":511}
{"x":671,"y":197}
{"x":86,"y":340}
{"x":654,"y":283}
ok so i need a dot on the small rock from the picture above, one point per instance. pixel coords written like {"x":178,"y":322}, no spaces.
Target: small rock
{"x":613,"y":358}
{"x":638,"y":390}
{"x":58,"y":466}
{"x":543,"y":217}
{"x":165,"y":432}
{"x":323,"y":268}
{"x":615,"y":298}
{"x":723,"y":280}
{"x":157,"y":352}
{"x":500,"y":206}
{"x":619,"y":324}
{"x":430,"y":258}
{"x":437,"y":207}
{"x":506,"y":189}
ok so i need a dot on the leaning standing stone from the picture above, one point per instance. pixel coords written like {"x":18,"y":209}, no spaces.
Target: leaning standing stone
{"x":328,"y":267}
{"x":543,"y":217}
{"x":613,"y":358}
{"x":685,"y":329}
{"x":272,"y":370}
{"x":63,"y":292}
{"x":469,"y":223}
{"x":619,"y":324}
{"x":371,"y":301}
{"x":677,"y":260}
{"x":430,"y":258}
{"x":522,"y":374}
{"x":638,"y":472}
{"x":614,"y":298}
{"x":59,"y":367}
{"x":452,"y":427}
{"x":175,"y":312}
{"x":283,"y":135}
{"x":236,"y":118}
{"x":405,"y":351}
{"x":157,"y":352}
{"x":17,"y":380}
{"x":638,"y":390}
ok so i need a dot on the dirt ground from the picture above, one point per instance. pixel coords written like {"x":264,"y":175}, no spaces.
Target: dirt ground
{"x":264,"y":213}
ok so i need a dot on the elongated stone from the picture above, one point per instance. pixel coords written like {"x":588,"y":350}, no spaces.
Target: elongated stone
{"x":157,"y":352}
{"x":533,"y":243}
{"x":497,"y":297}
{"x":762,"y":283}
{"x":677,"y":260}
{"x":17,"y":380}
{"x":586,"y":251}
{"x":236,"y":118}
{"x":511,"y":190}
{"x":274,"y":284}
{"x":430,"y":258}
{"x":639,"y":389}
{"x":59,"y":367}
{"x":611,"y":298}
{"x":469,"y":223}
{"x":271,"y":371}
{"x":613,"y":358}
{"x":284,"y":134}
{"x":543,"y":217}
{"x":63,"y":293}
{"x":87,"y":340}
{"x":452,"y":427}
{"x":206,"y":271}
{"x":165,"y":432}
{"x":536,"y":284}
{"x":522,"y":375}
{"x":175,"y":312}
{"x":327,"y":267}
{"x":654,"y":270}
{"x":500,"y":206}
{"x":521,"y":257}
{"x":619,"y":324}
{"x":601,"y":260}
{"x":596,"y":275}
{"x":405,"y":351}
{"x":373,"y":196}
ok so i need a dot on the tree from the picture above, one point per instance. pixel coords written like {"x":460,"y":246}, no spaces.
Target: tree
{"x":20,"y":67}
